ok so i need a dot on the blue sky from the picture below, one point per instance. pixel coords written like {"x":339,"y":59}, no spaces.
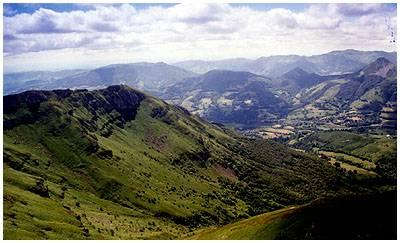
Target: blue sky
{"x":12,"y":9}
{"x":58,"y":36}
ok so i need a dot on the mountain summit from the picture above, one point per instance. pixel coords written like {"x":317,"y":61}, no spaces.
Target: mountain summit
{"x":381,"y":67}
{"x":297,"y":78}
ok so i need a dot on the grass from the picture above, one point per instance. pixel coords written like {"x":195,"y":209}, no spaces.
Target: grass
{"x":144,"y":174}
{"x":262,"y":227}
{"x":351,"y":159}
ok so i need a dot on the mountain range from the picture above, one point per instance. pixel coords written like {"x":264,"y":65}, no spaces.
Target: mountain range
{"x":116,"y":163}
{"x":96,"y":154}
{"x":156,"y":77}
{"x":150,"y":77}
{"x":352,"y":97}
{"x":248,"y":99}
{"x":245,"y":99}
{"x":335,"y":62}
{"x":19,"y":82}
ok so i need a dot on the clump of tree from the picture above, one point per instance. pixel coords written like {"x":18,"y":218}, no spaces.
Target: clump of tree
{"x":40,"y":188}
{"x":386,"y":166}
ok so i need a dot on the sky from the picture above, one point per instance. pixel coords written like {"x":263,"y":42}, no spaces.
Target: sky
{"x":68,"y":36}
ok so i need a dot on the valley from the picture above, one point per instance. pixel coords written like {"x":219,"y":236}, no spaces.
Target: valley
{"x":154,"y":151}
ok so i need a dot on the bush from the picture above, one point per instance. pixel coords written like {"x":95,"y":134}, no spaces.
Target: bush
{"x":40,"y":188}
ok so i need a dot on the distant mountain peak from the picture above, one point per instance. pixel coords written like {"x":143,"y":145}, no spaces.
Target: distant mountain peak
{"x":224,"y":71}
{"x":119,"y":87}
{"x":296,"y":71}
{"x":344,"y":51}
{"x":382,"y":61}
{"x":299,"y":78}
{"x":380,"y":67}
{"x":299,"y":73}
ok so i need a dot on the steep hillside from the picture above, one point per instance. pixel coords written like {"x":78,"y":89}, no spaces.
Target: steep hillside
{"x":350,"y":218}
{"x":239,"y":98}
{"x":118,"y":164}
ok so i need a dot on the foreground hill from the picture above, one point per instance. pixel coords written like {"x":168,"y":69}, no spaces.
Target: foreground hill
{"x":368,"y":217}
{"x":229,"y":97}
{"x":118,"y":164}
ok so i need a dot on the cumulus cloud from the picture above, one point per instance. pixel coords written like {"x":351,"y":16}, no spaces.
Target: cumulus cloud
{"x":186,"y":31}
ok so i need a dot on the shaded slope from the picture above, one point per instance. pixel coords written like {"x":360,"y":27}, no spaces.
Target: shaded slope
{"x":369,"y":217}
{"x":297,"y":79}
{"x":223,"y":96}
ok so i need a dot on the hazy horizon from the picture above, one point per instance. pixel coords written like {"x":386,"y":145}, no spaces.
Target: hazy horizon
{"x":50,"y":37}
{"x":172,"y":63}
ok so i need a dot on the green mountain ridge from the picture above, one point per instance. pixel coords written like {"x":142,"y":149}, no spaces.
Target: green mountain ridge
{"x":119,"y":164}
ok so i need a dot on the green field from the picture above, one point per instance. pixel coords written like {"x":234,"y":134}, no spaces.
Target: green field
{"x":367,"y":154}
{"x":367,"y":147}
{"x":351,"y":163}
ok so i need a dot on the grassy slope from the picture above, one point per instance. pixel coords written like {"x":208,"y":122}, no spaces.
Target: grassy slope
{"x":136,"y":176}
{"x":261,"y":227}
{"x":153,"y":176}
{"x":345,"y":218}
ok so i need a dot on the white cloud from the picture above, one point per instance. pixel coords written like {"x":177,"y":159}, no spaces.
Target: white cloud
{"x":121,"y":33}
